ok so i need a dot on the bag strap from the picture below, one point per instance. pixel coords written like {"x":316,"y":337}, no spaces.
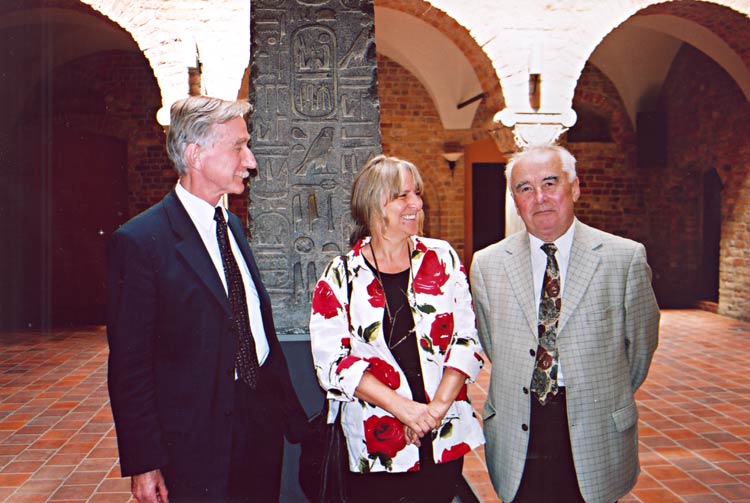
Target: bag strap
{"x":348,"y":282}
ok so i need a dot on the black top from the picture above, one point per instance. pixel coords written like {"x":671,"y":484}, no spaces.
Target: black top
{"x":399,"y":331}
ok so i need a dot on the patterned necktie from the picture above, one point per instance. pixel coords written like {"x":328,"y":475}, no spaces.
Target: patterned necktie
{"x":246,"y":360}
{"x":544,"y":380}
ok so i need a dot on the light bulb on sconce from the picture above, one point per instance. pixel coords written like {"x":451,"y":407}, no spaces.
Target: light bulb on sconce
{"x":452,"y":158}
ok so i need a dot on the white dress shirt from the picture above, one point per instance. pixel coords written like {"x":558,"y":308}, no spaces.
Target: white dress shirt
{"x":539,"y":265}
{"x":202,"y":215}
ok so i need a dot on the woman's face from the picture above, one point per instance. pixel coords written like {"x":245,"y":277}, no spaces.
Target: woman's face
{"x":402,"y":214}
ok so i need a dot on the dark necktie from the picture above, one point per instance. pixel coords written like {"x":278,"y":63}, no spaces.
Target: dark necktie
{"x":544,"y":380}
{"x":246,"y":360}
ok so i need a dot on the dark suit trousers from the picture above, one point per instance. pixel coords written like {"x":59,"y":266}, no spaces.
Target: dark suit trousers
{"x":549,"y":474}
{"x":256,"y":456}
{"x":257,"y":446}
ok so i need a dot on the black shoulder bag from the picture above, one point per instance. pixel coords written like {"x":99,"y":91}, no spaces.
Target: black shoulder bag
{"x":324,"y":459}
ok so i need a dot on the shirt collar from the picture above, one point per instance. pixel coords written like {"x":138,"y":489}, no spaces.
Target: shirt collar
{"x":201,"y":213}
{"x":564,"y":243}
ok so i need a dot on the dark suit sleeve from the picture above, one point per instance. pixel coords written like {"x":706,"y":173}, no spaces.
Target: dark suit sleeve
{"x":131,"y":312}
{"x":641,"y":317}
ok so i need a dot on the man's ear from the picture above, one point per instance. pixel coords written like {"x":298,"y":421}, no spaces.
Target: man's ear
{"x":576,"y":189}
{"x":193,"y":156}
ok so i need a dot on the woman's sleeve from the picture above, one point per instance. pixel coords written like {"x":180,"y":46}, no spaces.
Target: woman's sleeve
{"x":464,"y":351}
{"x":338,"y":371}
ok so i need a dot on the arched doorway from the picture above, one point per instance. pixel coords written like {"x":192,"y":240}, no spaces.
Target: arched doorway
{"x":708,"y":284}
{"x":79,"y":148}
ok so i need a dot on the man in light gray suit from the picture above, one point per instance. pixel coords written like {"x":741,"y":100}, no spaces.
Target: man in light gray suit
{"x":569,"y":320}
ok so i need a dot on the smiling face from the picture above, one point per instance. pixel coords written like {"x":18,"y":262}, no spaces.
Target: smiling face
{"x":543,"y":194}
{"x":221,"y":168}
{"x":402,"y":213}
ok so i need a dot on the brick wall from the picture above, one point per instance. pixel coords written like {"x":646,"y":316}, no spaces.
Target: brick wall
{"x":411,"y":129}
{"x":708,"y":127}
{"x":612,"y":188}
{"x":114,"y":93}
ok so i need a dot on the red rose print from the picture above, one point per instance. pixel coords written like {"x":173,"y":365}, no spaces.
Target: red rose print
{"x":431,"y":275}
{"x":347,"y":362}
{"x":324,"y":301}
{"x":463,"y":394}
{"x":346,"y":342}
{"x":421,"y":246}
{"x":441,"y":330}
{"x":455,"y":452}
{"x":384,"y":435}
{"x":424,"y":343}
{"x":553,"y":288}
{"x":414,"y":468}
{"x":375,"y":291}
{"x":357,"y":248}
{"x":384,"y":372}
{"x":543,"y":359}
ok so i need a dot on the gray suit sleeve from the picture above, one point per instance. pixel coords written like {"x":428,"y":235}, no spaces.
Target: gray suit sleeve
{"x":641,"y":317}
{"x":481,"y":307}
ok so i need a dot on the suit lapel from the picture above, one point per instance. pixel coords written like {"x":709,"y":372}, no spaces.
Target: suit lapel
{"x":190,"y":246}
{"x":583,"y":263}
{"x":518,"y":268}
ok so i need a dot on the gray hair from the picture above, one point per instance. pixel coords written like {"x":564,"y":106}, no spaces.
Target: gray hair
{"x":566,"y":158}
{"x":192,"y":120}
{"x":379,"y":181}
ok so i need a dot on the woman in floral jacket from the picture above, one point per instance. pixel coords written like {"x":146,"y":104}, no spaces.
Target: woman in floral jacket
{"x":398,"y":345}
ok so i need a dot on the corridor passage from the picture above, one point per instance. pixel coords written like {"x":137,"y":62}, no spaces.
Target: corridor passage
{"x":57,"y":441}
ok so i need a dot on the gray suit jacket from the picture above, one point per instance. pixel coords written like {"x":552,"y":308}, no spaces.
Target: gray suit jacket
{"x":607,"y":334}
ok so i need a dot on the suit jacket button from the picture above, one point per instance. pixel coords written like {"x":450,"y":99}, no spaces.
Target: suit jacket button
{"x":524,"y":427}
{"x":525,"y":390}
{"x":532,"y":352}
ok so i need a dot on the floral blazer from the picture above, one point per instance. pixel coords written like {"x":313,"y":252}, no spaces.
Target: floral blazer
{"x":347,"y":339}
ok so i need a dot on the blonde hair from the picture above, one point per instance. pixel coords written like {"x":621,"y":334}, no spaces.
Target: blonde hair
{"x":378,"y":182}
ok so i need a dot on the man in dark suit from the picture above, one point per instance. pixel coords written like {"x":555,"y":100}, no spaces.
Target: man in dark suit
{"x":567,"y":315}
{"x":199,"y":386}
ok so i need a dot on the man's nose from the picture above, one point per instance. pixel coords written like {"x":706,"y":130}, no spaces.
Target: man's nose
{"x":539,"y":195}
{"x":249,"y":161}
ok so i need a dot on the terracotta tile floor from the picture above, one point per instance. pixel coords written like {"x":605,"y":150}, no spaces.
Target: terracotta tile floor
{"x":57,"y":441}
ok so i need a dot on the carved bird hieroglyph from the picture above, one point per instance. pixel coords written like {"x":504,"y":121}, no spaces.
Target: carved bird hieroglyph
{"x":316,"y":157}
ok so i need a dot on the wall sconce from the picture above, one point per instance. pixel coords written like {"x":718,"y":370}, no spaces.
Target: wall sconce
{"x":535,"y":76}
{"x":452,"y":156}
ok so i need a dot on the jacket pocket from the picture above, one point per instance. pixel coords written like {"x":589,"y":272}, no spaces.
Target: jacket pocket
{"x":626,"y":417}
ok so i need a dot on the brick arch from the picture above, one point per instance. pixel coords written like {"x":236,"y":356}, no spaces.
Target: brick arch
{"x":729,"y":24}
{"x":596,"y":92}
{"x":580,"y":34}
{"x":129,"y":17}
{"x":460,"y":36}
{"x":128,"y":116}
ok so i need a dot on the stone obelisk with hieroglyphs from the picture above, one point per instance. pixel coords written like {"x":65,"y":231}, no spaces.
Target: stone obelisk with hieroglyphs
{"x":313,"y":83}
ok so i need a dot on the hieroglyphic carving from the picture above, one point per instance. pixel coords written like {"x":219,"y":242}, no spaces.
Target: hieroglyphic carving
{"x":314,"y":71}
{"x":316,"y":121}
